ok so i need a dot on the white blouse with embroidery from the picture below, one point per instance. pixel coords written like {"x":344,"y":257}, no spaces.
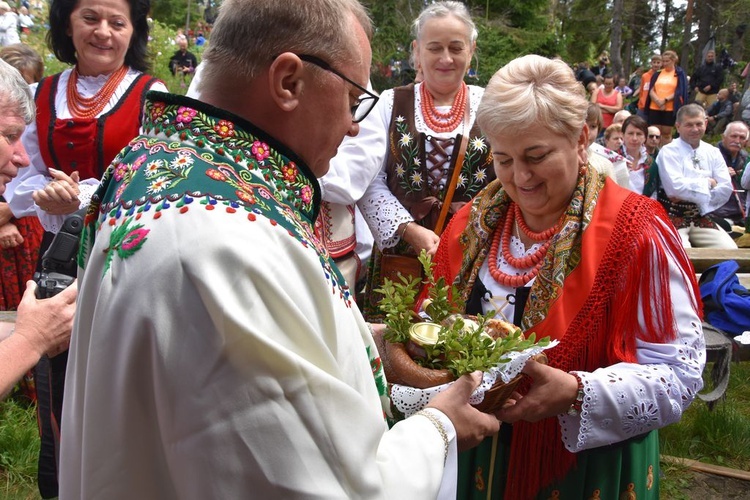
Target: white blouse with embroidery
{"x":626,"y":399}
{"x":35,"y":176}
{"x":358,"y":170}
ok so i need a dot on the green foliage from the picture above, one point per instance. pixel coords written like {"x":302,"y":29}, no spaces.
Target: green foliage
{"x":173,"y":13}
{"x":19,"y":448}
{"x":463,"y":345}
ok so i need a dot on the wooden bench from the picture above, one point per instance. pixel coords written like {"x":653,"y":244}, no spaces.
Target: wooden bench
{"x":703,"y":258}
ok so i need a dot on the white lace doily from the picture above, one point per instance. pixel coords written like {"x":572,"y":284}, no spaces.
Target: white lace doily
{"x":409,"y":400}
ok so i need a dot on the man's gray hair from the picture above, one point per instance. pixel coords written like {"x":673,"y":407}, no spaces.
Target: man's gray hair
{"x":15,"y":95}
{"x":690,"y":111}
{"x":737,"y":124}
{"x":248,"y":34}
{"x":444,"y":9}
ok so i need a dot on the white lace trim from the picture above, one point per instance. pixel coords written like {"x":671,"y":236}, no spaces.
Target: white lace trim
{"x":385,"y":213}
{"x":410,"y":400}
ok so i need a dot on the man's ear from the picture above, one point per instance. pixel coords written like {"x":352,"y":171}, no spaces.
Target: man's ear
{"x":286,"y":81}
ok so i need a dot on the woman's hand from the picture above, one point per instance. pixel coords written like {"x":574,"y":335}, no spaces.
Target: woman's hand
{"x":552,"y":393}
{"x":420,"y":238}
{"x":9,"y":236}
{"x":59,"y":197}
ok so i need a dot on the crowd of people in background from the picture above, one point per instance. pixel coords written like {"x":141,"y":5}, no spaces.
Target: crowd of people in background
{"x":350,"y":183}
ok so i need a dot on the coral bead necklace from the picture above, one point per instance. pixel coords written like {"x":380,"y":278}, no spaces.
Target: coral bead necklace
{"x":90,"y":107}
{"x":501,"y":239}
{"x":443,"y":122}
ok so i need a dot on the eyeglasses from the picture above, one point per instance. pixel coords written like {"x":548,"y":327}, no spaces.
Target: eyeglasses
{"x":365,"y":102}
{"x":653,"y":136}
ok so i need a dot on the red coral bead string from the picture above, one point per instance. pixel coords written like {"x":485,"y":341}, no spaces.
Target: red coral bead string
{"x":90,"y":107}
{"x":502,"y":239}
{"x":541,"y":236}
{"x":443,"y":122}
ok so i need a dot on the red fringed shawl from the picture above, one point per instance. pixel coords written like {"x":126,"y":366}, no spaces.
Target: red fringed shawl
{"x":594,"y":315}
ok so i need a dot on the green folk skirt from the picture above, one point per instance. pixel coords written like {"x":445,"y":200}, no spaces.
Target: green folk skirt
{"x":623,"y":471}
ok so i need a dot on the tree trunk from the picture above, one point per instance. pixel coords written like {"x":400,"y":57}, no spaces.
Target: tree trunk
{"x":705,"y":11}
{"x":687,"y":35}
{"x":615,"y":46}
{"x":665,"y":25}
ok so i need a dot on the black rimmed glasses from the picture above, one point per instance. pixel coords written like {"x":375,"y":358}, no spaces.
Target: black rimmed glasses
{"x":365,"y":102}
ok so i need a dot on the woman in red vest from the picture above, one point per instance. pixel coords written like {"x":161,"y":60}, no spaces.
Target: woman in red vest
{"x":564,"y":252}
{"x":85,"y":116}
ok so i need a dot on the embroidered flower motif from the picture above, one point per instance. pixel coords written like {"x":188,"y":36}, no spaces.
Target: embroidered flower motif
{"x":405,"y":140}
{"x":120,"y":190}
{"x":417,"y":161}
{"x":621,"y":397}
{"x":152,"y":168}
{"x":157,"y":109}
{"x":138,"y":162}
{"x":306,"y":194}
{"x":224,"y":128}
{"x":260,"y":150}
{"x":216,"y":175}
{"x":480,"y":175}
{"x":185,"y":115}
{"x":121,"y":170}
{"x":400,"y":119}
{"x":478,"y":144}
{"x":124,"y":241}
{"x":133,"y":239}
{"x":245,"y":196}
{"x":290,"y":171}
{"x":158,"y":185}
{"x":400,"y":170}
{"x":182,"y":161}
{"x":461,"y":181}
{"x":416,"y":179}
{"x":641,"y":417}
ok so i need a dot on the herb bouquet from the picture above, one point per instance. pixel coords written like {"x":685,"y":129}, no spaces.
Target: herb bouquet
{"x":425,"y":352}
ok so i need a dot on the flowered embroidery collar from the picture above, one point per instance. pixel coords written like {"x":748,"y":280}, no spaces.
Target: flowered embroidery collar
{"x":225,"y":133}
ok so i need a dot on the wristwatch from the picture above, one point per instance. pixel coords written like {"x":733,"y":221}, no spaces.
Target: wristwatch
{"x":577,"y":406}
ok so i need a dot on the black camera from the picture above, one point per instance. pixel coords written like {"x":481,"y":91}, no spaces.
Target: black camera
{"x":59,"y":267}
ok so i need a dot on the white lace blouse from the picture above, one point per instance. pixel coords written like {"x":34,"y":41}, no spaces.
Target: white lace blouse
{"x":357,"y":173}
{"x":626,"y":399}
{"x":35,"y":176}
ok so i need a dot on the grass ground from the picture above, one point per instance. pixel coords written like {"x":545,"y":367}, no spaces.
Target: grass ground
{"x":720,"y":437}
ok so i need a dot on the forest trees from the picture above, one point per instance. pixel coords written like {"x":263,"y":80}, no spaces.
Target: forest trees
{"x":575,"y":30}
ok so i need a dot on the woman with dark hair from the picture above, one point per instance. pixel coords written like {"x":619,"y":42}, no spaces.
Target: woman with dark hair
{"x":85,"y":116}
{"x":608,"y":99}
{"x":640,"y":164}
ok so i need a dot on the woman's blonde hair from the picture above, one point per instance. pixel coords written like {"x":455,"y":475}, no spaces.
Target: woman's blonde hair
{"x":533,"y":90}
{"x":612,"y":129}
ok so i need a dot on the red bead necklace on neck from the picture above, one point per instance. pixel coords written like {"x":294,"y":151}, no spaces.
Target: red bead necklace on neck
{"x":534,"y":260}
{"x":90,"y":107}
{"x":443,"y":122}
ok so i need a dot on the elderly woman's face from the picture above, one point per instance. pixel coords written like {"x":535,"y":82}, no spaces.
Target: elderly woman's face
{"x":101,"y":31}
{"x":539,"y":170}
{"x":444,"y":52}
{"x":614,"y":141}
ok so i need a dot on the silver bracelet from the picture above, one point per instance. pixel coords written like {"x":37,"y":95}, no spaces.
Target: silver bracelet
{"x":439,"y":426}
